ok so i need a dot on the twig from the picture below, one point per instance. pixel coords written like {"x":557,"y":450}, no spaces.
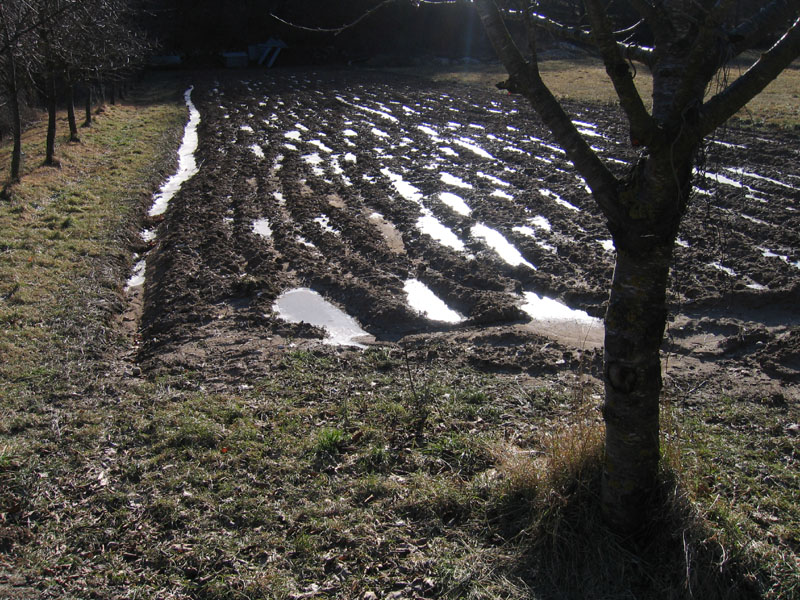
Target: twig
{"x":410,"y":376}
{"x":333,"y":30}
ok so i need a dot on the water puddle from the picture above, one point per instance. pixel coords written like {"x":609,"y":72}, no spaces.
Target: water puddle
{"x":381,"y":114}
{"x":540,"y":222}
{"x":430,"y":131}
{"x":723,"y":180}
{"x":497,"y":242}
{"x":314,"y":160}
{"x":517,"y":150}
{"x":754,"y":220}
{"x":305,"y":305}
{"x":321,"y":146}
{"x":729,"y":145}
{"x":187,"y":166}
{"x":423,"y":300}
{"x":456,"y":203}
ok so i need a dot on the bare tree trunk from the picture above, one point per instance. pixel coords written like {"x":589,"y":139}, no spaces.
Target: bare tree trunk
{"x":13,"y":102}
{"x":50,"y":148}
{"x":634,"y":329}
{"x":73,"y":124}
{"x":88,"y":106}
{"x":16,"y":121}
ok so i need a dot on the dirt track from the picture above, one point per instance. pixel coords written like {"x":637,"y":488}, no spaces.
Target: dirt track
{"x":319,"y":154}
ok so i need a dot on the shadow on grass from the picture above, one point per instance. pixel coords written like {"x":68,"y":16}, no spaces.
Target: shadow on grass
{"x":566,"y":551}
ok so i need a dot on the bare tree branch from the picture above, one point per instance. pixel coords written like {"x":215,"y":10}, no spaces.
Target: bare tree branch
{"x":629,"y":51}
{"x":655,"y":16}
{"x":771,"y":16}
{"x":706,"y":56}
{"x":37,"y":24}
{"x":728,"y":102}
{"x":338,"y":30}
{"x":618,"y":69}
{"x":601,"y":181}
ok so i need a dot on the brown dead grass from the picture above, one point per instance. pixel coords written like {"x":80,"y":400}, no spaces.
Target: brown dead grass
{"x":585,"y":80}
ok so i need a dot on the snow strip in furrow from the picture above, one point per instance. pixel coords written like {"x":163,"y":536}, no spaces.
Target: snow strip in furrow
{"x":497,"y":242}
{"x":423,"y":300}
{"x":187,"y":165}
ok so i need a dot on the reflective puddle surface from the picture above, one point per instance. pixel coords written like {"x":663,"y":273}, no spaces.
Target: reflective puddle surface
{"x":306,"y":305}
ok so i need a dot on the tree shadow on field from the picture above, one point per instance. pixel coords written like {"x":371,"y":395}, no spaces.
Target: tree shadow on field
{"x":565,"y":550}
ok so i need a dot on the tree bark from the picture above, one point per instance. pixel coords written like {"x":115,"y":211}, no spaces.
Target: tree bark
{"x":73,"y":124}
{"x":88,"y":106}
{"x":644,"y":209}
{"x":50,"y":148}
{"x":634,"y":329}
{"x":13,"y":101}
{"x":16,"y":120}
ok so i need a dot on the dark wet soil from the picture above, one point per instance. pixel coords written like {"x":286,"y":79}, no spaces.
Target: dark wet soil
{"x":335,"y":144}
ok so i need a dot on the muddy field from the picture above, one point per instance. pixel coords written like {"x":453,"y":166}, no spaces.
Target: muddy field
{"x":354,"y":184}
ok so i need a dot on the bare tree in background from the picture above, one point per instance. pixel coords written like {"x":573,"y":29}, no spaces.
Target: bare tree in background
{"x":16,"y":23}
{"x":691,"y":41}
{"x":56,"y":43}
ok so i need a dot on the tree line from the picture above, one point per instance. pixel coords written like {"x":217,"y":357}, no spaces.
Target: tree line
{"x":51,"y":48}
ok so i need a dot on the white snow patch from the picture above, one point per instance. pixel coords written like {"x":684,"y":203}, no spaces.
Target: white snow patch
{"x":455,"y":202}
{"x":454,"y":181}
{"x":262,"y":227}
{"x":497,"y":242}
{"x":187,"y":165}
{"x":548,"y":309}
{"x":422,"y":299}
